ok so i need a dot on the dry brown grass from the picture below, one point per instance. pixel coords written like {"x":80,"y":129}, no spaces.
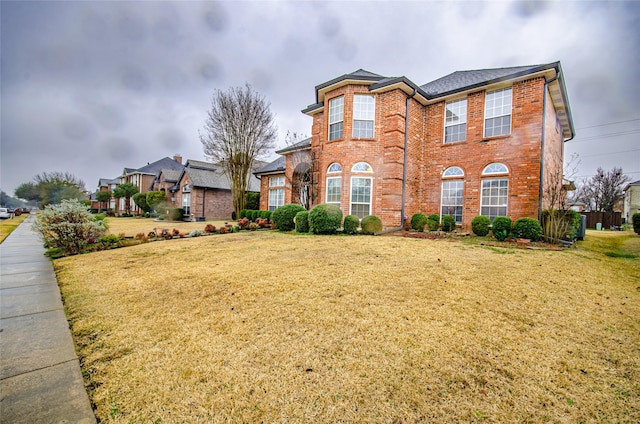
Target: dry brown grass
{"x":269,"y":327}
{"x":132,"y":226}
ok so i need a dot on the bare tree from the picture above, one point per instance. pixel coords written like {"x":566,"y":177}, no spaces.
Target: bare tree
{"x":603,"y":190}
{"x":239,"y":128}
{"x":556,"y":184}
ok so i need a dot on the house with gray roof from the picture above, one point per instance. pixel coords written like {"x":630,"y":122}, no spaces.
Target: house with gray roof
{"x":203,"y":190}
{"x":479,"y":142}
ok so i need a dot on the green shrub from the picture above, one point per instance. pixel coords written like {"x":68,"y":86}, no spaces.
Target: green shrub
{"x":448,"y":223}
{"x":635,"y":220}
{"x":302,"y":222}
{"x":527,"y":228}
{"x":111,"y":240}
{"x":177,"y":214}
{"x":351,"y":224}
{"x":325,"y":219}
{"x":480,"y":225}
{"x":265,"y":214}
{"x":371,"y":224}
{"x":560,"y":224}
{"x":501,"y":227}
{"x":243,"y":214}
{"x":282,"y":217}
{"x":432,"y":222}
{"x":140,"y":199}
{"x":418,"y":221}
{"x":253,"y":200}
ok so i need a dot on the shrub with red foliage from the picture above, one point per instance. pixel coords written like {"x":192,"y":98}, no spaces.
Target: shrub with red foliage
{"x":210,"y":228}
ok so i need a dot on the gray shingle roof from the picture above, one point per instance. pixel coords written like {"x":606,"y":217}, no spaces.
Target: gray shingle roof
{"x":304,"y":144}
{"x":462,"y":80}
{"x":170,"y":175}
{"x":275,"y":166}
{"x":208,"y":175}
{"x":157,"y":166}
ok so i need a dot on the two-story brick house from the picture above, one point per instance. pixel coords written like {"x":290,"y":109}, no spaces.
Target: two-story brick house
{"x":481,"y":142}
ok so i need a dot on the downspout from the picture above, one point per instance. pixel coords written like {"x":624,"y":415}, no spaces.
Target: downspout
{"x":204,"y":198}
{"x":404,"y":166}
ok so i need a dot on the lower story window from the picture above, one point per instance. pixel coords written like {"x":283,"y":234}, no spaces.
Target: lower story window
{"x":360,"y":196}
{"x":334,"y":186}
{"x":276,"y":198}
{"x":452,"y":195}
{"x":186,"y":203}
{"x":494,"y":197}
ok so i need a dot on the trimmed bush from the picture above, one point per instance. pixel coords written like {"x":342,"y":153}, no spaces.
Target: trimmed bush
{"x":635,"y":220}
{"x":282,"y":217}
{"x":325,"y":219}
{"x":371,"y":224}
{"x":527,"y":228}
{"x":501,"y":227}
{"x":302,"y":222}
{"x":448,"y":223}
{"x":418,"y":221}
{"x":351,"y":224}
{"x":433,"y":221}
{"x":480,"y":225}
{"x":243,"y":213}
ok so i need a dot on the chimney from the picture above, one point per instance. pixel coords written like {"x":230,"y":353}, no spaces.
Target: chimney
{"x":178,"y":158}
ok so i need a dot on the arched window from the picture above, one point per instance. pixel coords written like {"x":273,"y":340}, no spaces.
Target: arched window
{"x":495,"y":168}
{"x":453,"y":171}
{"x":495,"y":191}
{"x":362,"y":167}
{"x":452,"y":193}
{"x":334,"y":167}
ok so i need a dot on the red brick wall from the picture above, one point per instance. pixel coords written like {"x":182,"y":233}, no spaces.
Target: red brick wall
{"x":428,"y":156}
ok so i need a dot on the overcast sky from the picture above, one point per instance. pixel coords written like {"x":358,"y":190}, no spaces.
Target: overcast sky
{"x":92,"y":87}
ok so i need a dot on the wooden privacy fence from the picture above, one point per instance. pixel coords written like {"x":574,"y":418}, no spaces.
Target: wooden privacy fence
{"x":607,"y":219}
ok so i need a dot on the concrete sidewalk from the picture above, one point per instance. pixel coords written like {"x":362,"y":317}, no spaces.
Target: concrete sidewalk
{"x":40,"y":379}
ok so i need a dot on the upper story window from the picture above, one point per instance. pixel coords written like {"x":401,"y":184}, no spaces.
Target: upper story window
{"x":497,"y":112}
{"x":362,"y":167}
{"x":364,"y":111}
{"x":454,"y":171}
{"x":336,"y":117}
{"x":495,"y":168}
{"x":455,"y":121}
{"x":334,"y":167}
{"x":276,"y":181}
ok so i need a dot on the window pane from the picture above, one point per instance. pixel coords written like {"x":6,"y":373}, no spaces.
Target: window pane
{"x":455,"y":133}
{"x":276,"y":198}
{"x":276,"y":181}
{"x":497,"y":112}
{"x":453,"y":171}
{"x":334,"y":186}
{"x":336,"y":113}
{"x":364,"y":111}
{"x":361,"y":197}
{"x":335,"y":167}
{"x":452,"y":198}
{"x":494,"y":197}
{"x":362,"y":167}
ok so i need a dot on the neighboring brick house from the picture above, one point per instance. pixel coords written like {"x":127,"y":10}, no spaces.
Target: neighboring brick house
{"x":631,"y":200}
{"x":145,"y":177}
{"x":203,"y":190}
{"x":106,"y":184}
{"x":485,"y":142}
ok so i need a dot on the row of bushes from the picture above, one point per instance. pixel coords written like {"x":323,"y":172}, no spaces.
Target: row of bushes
{"x":420,"y":221}
{"x":526,"y":228}
{"x":635,"y":220}
{"x":253,"y":214}
{"x":325,"y":218}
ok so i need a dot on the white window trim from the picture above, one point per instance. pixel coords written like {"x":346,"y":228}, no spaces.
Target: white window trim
{"x":444,"y":174}
{"x":276,"y":181}
{"x":329,"y":171}
{"x":444,"y":136}
{"x":327,"y":190}
{"x":330,"y":122}
{"x":506,"y":205}
{"x":372,"y":119}
{"x":365,"y":163}
{"x":370,"y":194}
{"x":486,"y":172}
{"x":269,"y":203}
{"x":459,"y":178}
{"x":484,"y":122}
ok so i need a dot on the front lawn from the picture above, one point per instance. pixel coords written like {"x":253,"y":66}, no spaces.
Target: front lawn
{"x":271,"y":327}
{"x":8,"y":225}
{"x":132,"y":226}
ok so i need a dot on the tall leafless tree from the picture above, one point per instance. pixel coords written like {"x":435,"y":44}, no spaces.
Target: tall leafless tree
{"x":239,"y":129}
{"x":603,"y":190}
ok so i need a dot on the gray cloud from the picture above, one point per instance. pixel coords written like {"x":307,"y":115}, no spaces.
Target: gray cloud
{"x":104,"y":85}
